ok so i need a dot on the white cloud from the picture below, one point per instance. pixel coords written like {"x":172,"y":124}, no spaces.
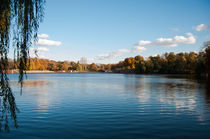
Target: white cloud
{"x":138,"y":49}
{"x":45,"y":42}
{"x":121,"y":51}
{"x":202,"y":27}
{"x":141,"y":43}
{"x":40,"y":52}
{"x":112,"y":54}
{"x":167,"y":42}
{"x":42,"y":49}
{"x":140,"y":46}
{"x":43,"y":36}
{"x":186,"y":40}
{"x":42,"y":41}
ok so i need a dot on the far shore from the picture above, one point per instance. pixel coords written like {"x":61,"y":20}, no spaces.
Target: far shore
{"x":74,"y":71}
{"x":41,"y":71}
{"x":48,"y":71}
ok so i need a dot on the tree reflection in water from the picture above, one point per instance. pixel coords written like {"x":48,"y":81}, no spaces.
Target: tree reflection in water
{"x":8,"y":108}
{"x":176,"y":92}
{"x":208,"y":91}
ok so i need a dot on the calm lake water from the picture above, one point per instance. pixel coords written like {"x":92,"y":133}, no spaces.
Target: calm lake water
{"x":110,"y":106}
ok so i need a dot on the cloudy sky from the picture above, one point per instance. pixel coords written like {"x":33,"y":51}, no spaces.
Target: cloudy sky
{"x":107,"y":31}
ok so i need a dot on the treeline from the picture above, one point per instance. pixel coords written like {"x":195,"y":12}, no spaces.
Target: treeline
{"x":46,"y":64}
{"x":181,"y":63}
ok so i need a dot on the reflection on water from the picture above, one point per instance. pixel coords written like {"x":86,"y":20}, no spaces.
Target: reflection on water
{"x":207,"y":94}
{"x":112,"y":105}
{"x":41,"y":95}
{"x":35,"y":83}
{"x":185,"y":94}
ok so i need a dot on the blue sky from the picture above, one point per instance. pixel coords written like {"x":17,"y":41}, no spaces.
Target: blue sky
{"x":107,"y":31}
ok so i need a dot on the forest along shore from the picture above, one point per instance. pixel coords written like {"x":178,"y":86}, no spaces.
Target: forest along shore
{"x":40,"y":71}
{"x":168,"y":63}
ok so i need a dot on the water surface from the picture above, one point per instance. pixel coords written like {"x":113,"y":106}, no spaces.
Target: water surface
{"x":110,"y":106}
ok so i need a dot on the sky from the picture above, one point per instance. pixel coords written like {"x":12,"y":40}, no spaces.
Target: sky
{"x":107,"y":31}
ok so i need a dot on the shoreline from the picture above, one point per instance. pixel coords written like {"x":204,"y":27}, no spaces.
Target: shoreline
{"x":74,"y":72}
{"x":48,"y":71}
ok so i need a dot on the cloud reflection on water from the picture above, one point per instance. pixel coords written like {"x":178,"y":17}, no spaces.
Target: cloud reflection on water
{"x":39,"y":91}
{"x":182,"y":94}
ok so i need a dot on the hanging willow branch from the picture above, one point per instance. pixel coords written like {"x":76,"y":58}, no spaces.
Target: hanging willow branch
{"x":20,"y":19}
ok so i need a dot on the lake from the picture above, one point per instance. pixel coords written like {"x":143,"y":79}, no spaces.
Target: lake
{"x":104,"y":105}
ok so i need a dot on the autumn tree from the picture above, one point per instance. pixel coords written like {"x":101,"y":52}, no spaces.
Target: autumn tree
{"x":181,"y":62}
{"x":129,"y":63}
{"x":138,"y":58}
{"x":201,"y":63}
{"x":189,"y":63}
{"x":139,"y":64}
{"x":93,"y":67}
{"x":207,"y":56}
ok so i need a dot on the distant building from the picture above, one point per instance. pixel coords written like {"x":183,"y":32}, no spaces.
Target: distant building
{"x":98,"y":64}
{"x":83,"y":60}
